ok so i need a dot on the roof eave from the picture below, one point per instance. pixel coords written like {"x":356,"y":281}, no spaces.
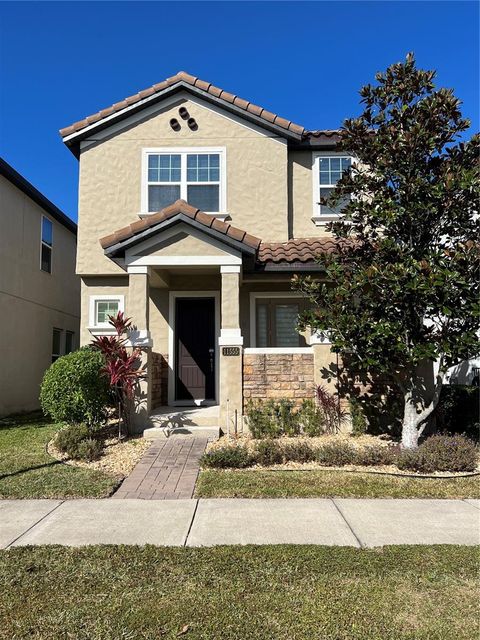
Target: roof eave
{"x":73,"y":140}
{"x":120,"y":247}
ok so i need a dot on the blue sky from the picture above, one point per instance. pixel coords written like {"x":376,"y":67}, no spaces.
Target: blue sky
{"x":61,"y":61}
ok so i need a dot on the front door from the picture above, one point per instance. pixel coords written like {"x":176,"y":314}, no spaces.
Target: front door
{"x":195,"y":349}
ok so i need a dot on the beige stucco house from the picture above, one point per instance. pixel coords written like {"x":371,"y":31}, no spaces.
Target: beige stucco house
{"x":39,"y":291}
{"x":196,"y":207}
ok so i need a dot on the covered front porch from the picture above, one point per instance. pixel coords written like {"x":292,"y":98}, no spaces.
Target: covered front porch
{"x":215,"y":331}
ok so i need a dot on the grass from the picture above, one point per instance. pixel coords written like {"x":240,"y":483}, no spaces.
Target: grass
{"x":216,"y":483}
{"x":240,"y":593}
{"x":27,"y":471}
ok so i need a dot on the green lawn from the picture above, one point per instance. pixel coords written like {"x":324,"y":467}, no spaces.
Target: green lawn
{"x":216,"y":483}
{"x":27,"y":471}
{"x":240,"y":593}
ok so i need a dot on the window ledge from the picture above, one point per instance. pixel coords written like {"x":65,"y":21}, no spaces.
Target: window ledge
{"x":219,"y":216}
{"x":277,"y":350}
{"x":102,"y":331}
{"x":322,"y":220}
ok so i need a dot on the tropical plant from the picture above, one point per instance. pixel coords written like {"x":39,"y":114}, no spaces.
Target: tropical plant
{"x":403,"y":288}
{"x":121,"y":366}
{"x":333,"y":416}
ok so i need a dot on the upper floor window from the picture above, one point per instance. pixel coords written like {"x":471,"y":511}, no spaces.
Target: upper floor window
{"x":46,"y":245}
{"x":195,"y":175}
{"x":327,"y":171}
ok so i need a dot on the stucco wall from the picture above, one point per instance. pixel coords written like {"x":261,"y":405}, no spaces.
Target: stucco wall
{"x":110,"y":178}
{"x":32,"y":302}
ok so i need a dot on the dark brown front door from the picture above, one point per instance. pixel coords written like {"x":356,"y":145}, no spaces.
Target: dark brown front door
{"x":195,"y":349}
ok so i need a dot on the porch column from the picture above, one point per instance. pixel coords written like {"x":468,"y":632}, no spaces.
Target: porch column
{"x":231,"y":350}
{"x":138,"y":311}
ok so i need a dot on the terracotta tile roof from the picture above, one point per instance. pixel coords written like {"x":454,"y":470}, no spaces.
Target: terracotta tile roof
{"x":180,"y":207}
{"x":298,"y":250}
{"x":207,"y":87}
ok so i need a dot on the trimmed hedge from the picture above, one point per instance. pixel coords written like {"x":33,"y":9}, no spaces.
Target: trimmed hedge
{"x":441,"y":453}
{"x":73,"y":389}
{"x":77,"y":442}
{"x":228,"y":457}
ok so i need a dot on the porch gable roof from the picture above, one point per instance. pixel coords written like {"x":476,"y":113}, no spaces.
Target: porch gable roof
{"x":115,"y":244}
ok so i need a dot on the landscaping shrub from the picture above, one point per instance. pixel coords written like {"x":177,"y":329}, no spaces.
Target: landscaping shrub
{"x":441,"y":453}
{"x":359,"y":421}
{"x":336,"y":454}
{"x":89,"y":450}
{"x":375,"y":455}
{"x":73,"y":390}
{"x":458,"y":410}
{"x":76,"y":441}
{"x":261,"y":419}
{"x":233,"y":457}
{"x":299,"y":452}
{"x":268,"y":452}
{"x":311,"y":420}
{"x":332,"y":415}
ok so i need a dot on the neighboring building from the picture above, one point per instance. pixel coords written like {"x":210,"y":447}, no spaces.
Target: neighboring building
{"x":39,"y":291}
{"x":207,"y":283}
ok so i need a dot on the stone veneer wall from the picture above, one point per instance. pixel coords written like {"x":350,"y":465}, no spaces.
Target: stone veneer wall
{"x":272,"y":375}
{"x":159,"y":380}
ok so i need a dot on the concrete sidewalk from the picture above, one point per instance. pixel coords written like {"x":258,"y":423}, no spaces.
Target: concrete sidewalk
{"x":194,"y":523}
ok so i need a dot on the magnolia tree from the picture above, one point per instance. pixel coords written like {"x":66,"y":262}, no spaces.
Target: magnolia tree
{"x":404,"y":287}
{"x":121,"y":366}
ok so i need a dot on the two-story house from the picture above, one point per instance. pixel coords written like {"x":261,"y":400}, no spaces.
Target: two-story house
{"x":39,"y":291}
{"x":196,"y":207}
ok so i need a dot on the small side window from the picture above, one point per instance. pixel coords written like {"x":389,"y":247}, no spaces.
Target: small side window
{"x":56,"y":344}
{"x":69,"y":339}
{"x":46,"y":245}
{"x":104,"y":309}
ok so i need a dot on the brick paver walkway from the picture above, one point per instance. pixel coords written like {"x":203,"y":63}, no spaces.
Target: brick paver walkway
{"x":167,"y":471}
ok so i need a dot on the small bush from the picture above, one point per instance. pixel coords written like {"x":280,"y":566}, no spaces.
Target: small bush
{"x":73,"y":389}
{"x":76,"y":441}
{"x":299,"y":452}
{"x":227,"y":457}
{"x":262,"y":419}
{"x":359,"y":421}
{"x":441,"y":453}
{"x":89,"y":450}
{"x":336,"y":454}
{"x":375,"y":455}
{"x":69,"y":438}
{"x":268,"y":452}
{"x":311,"y":420}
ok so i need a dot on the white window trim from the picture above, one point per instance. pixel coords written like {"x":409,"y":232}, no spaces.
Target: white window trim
{"x":320,"y":219}
{"x":103,"y":328}
{"x":172,"y":297}
{"x":253,"y":323}
{"x":221,"y":151}
{"x":47,"y":245}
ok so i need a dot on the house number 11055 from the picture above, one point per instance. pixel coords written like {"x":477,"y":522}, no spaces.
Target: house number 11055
{"x":230,"y":351}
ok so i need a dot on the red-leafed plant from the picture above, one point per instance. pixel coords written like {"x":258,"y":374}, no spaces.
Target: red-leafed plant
{"x":332,"y":413}
{"x":121,"y":366}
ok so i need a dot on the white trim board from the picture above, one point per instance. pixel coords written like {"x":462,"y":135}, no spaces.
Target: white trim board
{"x":172,"y":297}
{"x":277,"y":350}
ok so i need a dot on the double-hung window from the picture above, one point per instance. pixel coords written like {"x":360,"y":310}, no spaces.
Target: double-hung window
{"x":46,"y":245}
{"x":276,"y":322}
{"x":327,"y":170}
{"x":194,"y":176}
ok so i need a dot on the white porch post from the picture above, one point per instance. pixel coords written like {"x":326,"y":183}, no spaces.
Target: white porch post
{"x":231,"y":349}
{"x":138,"y":311}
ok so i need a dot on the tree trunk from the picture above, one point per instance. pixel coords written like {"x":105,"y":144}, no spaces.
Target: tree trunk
{"x":410,"y":432}
{"x":414,"y":420}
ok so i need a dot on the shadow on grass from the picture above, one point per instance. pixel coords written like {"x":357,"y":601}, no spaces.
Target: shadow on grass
{"x":26,"y":470}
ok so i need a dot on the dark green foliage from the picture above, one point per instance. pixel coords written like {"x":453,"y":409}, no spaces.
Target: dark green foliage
{"x":441,"y":453}
{"x":233,"y":457}
{"x":300,"y":451}
{"x":311,"y":419}
{"x":268,"y":452}
{"x":375,"y":455}
{"x":458,"y":410}
{"x":272,"y":418}
{"x":77,"y":442}
{"x":336,"y":454}
{"x":359,"y":421}
{"x":404,"y":286}
{"x":73,"y":389}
